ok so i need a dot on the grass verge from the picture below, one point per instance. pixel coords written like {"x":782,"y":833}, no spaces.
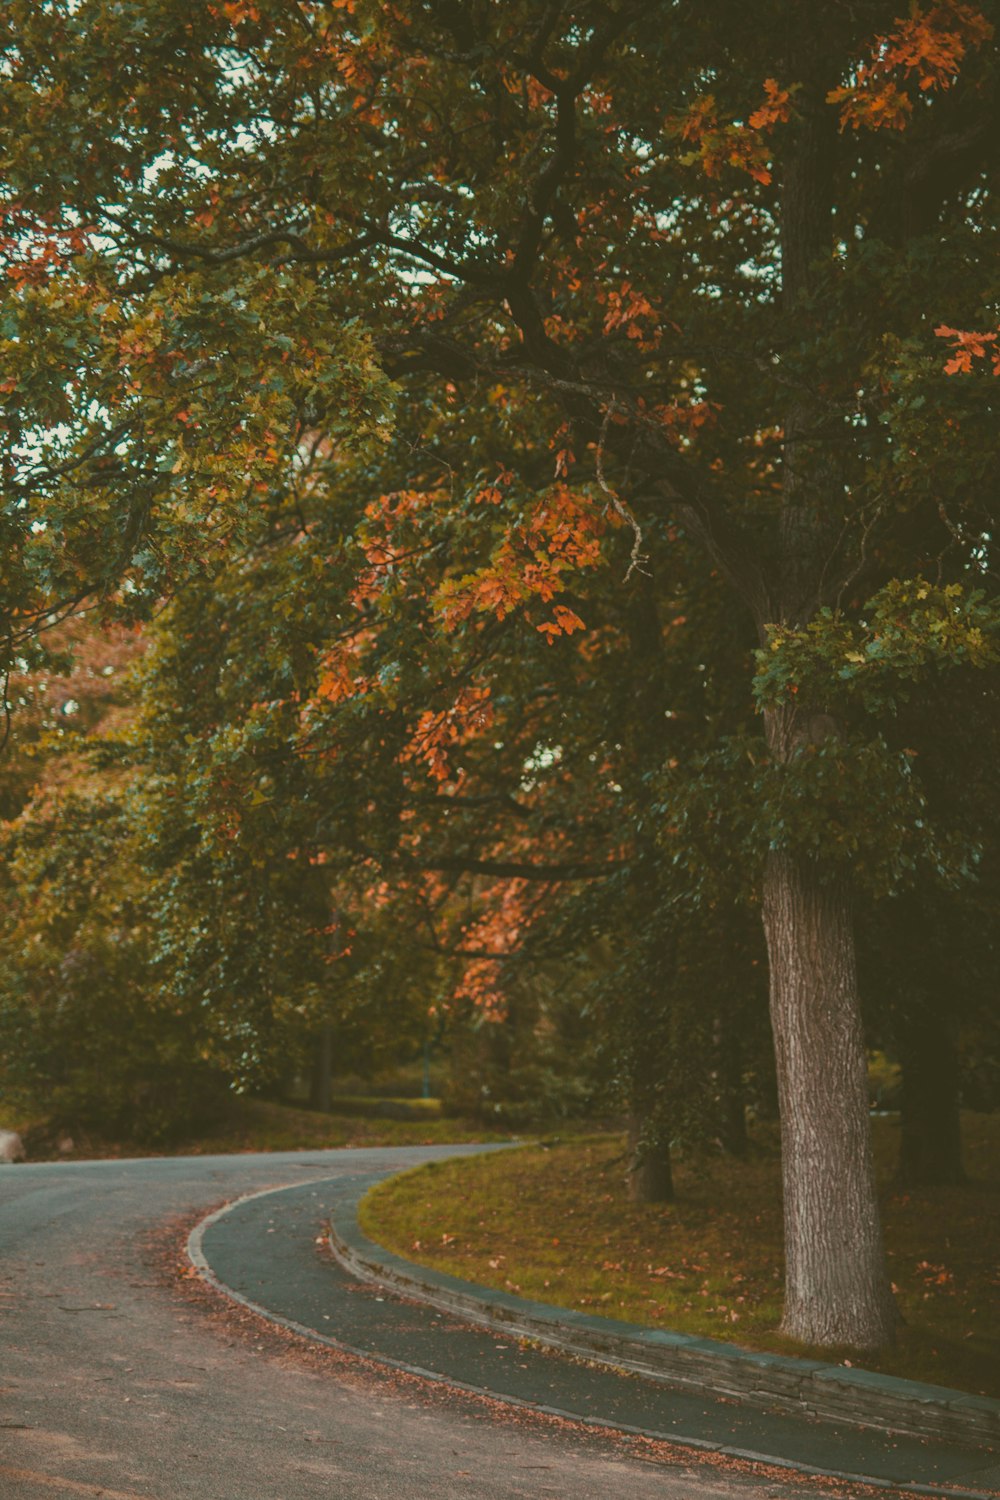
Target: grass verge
{"x":552,"y":1222}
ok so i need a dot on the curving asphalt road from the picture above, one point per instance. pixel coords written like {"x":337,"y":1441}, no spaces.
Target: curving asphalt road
{"x":115,"y":1385}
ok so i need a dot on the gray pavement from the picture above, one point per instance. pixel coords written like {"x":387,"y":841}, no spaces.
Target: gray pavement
{"x":116,"y":1385}
{"x":264,"y":1250}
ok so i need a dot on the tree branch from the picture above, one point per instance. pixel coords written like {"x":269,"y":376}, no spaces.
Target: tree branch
{"x":516,"y":870}
{"x":566,"y":90}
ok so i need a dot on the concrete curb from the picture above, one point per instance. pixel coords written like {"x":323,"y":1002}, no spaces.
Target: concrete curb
{"x":807,"y":1387}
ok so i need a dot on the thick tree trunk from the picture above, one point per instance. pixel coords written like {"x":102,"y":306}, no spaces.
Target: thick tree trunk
{"x":650,"y":1174}
{"x":836,"y":1286}
{"x":931,"y":1147}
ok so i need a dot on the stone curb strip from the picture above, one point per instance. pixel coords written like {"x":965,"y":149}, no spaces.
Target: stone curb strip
{"x":808,"y":1387}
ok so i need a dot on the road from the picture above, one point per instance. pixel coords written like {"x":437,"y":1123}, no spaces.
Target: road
{"x":117,"y":1384}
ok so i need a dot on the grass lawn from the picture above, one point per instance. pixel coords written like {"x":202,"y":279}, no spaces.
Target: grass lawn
{"x":257,"y":1125}
{"x":552,"y":1222}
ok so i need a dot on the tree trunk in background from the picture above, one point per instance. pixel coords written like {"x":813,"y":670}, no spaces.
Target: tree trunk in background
{"x":836,"y":1285}
{"x":732,"y":1114}
{"x":320,"y":1093}
{"x":650,"y":1174}
{"x":931,"y":1147}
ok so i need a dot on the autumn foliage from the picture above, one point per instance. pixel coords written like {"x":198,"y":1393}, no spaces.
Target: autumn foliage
{"x":464,"y":393}
{"x":925,"y":49}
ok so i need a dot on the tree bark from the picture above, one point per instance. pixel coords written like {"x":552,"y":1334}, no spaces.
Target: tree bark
{"x":650,"y":1173}
{"x":836,"y":1287}
{"x":931,"y":1146}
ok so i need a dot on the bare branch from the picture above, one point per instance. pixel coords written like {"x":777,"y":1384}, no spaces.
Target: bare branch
{"x":637,"y":557}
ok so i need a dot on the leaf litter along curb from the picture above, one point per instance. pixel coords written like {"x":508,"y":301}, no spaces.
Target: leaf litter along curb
{"x":552,"y":1223}
{"x":164,"y":1251}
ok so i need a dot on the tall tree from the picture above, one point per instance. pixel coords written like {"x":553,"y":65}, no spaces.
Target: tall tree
{"x":715,"y":247}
